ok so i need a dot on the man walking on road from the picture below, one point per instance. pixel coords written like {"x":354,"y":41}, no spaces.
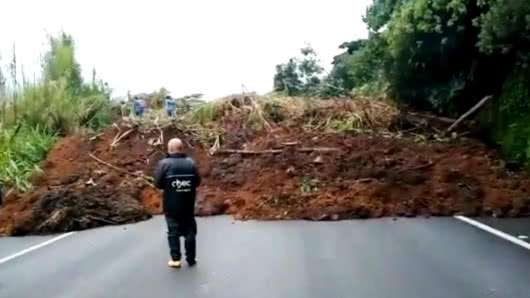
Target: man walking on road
{"x":178,"y":177}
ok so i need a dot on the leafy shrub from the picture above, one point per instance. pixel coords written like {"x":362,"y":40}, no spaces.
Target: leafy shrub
{"x":21,"y":149}
{"x":50,"y":106}
{"x":299,"y":76}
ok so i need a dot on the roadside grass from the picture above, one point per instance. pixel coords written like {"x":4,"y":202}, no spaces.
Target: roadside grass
{"x":21,"y":150}
{"x":50,"y":106}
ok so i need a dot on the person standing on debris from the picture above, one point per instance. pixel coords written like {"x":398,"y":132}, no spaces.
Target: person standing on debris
{"x":138,"y":106}
{"x":171,"y":106}
{"x":123,"y":109}
{"x":178,"y":177}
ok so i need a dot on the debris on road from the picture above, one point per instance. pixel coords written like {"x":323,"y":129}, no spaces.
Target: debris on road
{"x":327,"y":160}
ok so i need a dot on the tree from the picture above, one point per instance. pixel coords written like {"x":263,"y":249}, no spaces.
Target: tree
{"x":300,"y":75}
{"x":361,"y":63}
{"x":380,"y":13}
{"x":13,"y":69}
{"x":3,"y":94}
{"x":60,"y":63}
{"x":505,"y":27}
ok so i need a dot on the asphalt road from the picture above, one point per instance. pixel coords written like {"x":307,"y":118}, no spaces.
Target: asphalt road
{"x":437,"y":257}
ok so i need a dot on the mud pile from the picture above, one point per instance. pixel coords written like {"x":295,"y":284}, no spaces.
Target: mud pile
{"x":293,"y":175}
{"x":298,"y":167}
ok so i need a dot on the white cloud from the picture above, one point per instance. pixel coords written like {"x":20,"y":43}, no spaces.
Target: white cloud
{"x":207,"y":46}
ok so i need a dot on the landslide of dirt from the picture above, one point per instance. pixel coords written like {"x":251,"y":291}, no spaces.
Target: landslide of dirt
{"x":367,"y":176}
{"x":290,"y":169}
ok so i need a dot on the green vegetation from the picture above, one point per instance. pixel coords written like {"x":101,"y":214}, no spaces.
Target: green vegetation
{"x":21,"y":149}
{"x":508,"y":118}
{"x":299,"y":75}
{"x":443,"y":56}
{"x":308,"y":184}
{"x":34,"y":113}
{"x":438,"y":55}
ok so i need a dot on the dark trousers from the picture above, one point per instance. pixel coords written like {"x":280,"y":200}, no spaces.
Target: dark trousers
{"x":177,"y":228}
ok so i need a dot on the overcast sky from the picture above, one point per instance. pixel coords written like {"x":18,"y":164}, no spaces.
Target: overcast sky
{"x":206,"y":46}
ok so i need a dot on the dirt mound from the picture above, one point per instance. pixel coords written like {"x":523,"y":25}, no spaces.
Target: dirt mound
{"x":302,"y":167}
{"x":338,"y":176}
{"x":77,"y":192}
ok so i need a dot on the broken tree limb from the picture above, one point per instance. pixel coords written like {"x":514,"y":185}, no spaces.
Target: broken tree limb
{"x":471,"y":111}
{"x":420,"y":167}
{"x":290,"y":143}
{"x":248,"y":152}
{"x":431,"y":117}
{"x":318,"y":149}
{"x":119,"y":137}
{"x":115,"y":167}
{"x":101,"y":219}
{"x":274,"y":151}
{"x":161,"y":132}
{"x":215,"y":146}
{"x":96,"y":136}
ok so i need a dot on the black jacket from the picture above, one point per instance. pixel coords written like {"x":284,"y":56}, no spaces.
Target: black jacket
{"x":177,"y":175}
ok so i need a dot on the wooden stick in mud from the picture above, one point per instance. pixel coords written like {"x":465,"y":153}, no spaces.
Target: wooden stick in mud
{"x":466,"y":114}
{"x":101,"y":219}
{"x":118,"y":137}
{"x":427,"y":165}
{"x":215,"y":146}
{"x":318,"y":149}
{"x":431,"y":117}
{"x":274,"y":151}
{"x":161,"y":134}
{"x":115,"y":167}
{"x":247,"y":152}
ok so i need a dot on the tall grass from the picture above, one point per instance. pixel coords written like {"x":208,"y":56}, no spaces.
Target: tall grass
{"x":21,"y":148}
{"x":51,"y":106}
{"x":34,"y":114}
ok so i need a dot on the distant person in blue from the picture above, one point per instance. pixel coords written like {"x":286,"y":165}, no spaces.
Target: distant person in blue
{"x":171,"y":106}
{"x":138,"y":107}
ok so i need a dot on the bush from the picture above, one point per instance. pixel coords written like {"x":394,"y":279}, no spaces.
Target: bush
{"x":299,"y":76}
{"x":21,"y":149}
{"x":50,"y":106}
{"x":508,"y":118}
{"x":59,"y":104}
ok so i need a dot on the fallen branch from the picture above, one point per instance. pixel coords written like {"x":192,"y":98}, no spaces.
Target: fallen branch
{"x":290,"y":143}
{"x":215,"y":146}
{"x":119,"y":137}
{"x":96,"y":136}
{"x":161,"y":134}
{"x":471,"y":111}
{"x":367,"y":116}
{"x":420,"y":167}
{"x":248,"y":152}
{"x":431,"y":117}
{"x":259,"y":112}
{"x":100,"y":219}
{"x":115,"y":167}
{"x":274,"y":151}
{"x":318,"y":149}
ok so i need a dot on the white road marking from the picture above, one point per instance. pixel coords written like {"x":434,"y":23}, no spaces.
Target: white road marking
{"x":495,"y":232}
{"x":30,"y":249}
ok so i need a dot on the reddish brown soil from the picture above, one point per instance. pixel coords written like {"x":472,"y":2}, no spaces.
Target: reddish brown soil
{"x":367,"y":176}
